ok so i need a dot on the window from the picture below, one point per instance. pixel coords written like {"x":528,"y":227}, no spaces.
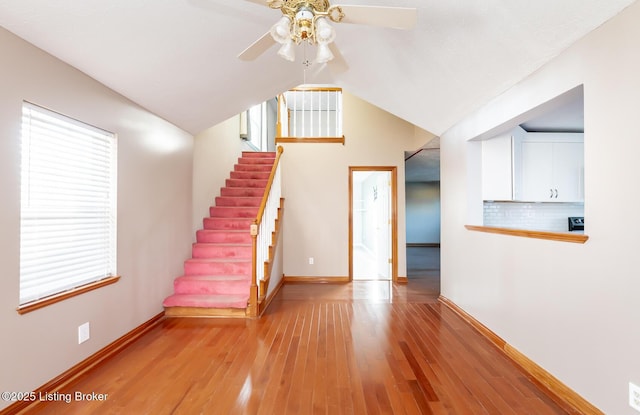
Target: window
{"x":68,"y":204}
{"x":258,"y":125}
{"x":310,"y":114}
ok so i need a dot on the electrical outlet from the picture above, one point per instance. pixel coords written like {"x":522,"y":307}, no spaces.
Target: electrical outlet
{"x":84,"y":332}
{"x":310,"y":260}
{"x":634,"y":396}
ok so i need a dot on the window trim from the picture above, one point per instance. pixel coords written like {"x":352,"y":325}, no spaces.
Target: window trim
{"x":56,"y":298}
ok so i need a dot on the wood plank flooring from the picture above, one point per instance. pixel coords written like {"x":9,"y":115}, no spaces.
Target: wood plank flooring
{"x":361,"y":348}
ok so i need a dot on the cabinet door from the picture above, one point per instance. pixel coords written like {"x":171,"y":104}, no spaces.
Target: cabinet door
{"x":537,"y":172}
{"x":496,"y":168}
{"x":568,"y":171}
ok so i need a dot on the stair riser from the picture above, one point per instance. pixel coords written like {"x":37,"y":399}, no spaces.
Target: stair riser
{"x":256,"y":160}
{"x":203,"y":236}
{"x":227,"y":224}
{"x":217,"y":251}
{"x":253,"y":167}
{"x":233,"y":211}
{"x":238,"y":201}
{"x":221,"y":287}
{"x":250,"y":175}
{"x":255,"y":183}
{"x":217,"y":268}
{"x":241,"y":192}
{"x":180,"y":300}
{"x":259,"y":154}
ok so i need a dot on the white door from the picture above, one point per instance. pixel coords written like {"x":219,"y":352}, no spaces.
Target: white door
{"x":371,"y":225}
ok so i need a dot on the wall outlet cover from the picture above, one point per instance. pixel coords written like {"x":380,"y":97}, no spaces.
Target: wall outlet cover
{"x":84,"y":332}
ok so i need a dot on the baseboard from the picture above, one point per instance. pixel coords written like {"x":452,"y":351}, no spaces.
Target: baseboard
{"x":316,"y":280}
{"x":265,"y":304}
{"x":402,"y":280}
{"x":423,"y":245}
{"x":102,"y":355}
{"x":564,"y":396}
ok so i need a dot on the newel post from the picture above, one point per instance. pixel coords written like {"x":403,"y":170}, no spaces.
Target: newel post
{"x":252,"y":309}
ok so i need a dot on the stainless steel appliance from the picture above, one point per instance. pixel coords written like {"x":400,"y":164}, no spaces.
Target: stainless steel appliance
{"x":576,"y":223}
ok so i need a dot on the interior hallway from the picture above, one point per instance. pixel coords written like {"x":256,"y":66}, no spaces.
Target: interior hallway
{"x":367,"y":347}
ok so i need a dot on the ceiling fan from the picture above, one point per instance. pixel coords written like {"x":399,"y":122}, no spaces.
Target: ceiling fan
{"x":308,"y":21}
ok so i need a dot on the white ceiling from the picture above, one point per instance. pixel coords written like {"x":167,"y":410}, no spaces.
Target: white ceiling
{"x":178,"y":59}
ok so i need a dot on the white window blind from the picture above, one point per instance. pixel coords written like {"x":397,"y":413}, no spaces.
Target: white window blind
{"x":68,"y":204}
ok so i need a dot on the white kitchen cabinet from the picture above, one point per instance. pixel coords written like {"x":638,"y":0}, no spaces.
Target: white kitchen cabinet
{"x":498,"y":165}
{"x":552,"y":168}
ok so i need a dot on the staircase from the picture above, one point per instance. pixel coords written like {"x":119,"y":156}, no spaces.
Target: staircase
{"x":217,"y":278}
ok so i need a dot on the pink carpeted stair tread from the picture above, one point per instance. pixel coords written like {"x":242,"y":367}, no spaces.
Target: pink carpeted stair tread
{"x":256,"y":160}
{"x":212,"y":284}
{"x":237,"y":201}
{"x":221,"y":250}
{"x":252,"y":167}
{"x":260,"y":175}
{"x":228,"y":223}
{"x":233,"y":211}
{"x":208,"y":266}
{"x":242,"y":192}
{"x":223,"y":236}
{"x":261,"y":183}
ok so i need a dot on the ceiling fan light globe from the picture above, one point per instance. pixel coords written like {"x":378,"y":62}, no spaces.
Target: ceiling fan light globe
{"x":324,"y":54}
{"x":287,"y":51}
{"x":281,"y":31}
{"x":325,"y":33}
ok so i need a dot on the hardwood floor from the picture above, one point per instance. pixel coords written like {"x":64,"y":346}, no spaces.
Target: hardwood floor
{"x":362,"y":348}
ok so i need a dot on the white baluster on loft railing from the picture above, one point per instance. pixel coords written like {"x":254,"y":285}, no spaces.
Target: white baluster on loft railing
{"x":261,"y":231}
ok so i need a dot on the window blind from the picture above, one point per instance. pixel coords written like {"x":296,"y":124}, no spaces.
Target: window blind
{"x":68,"y":204}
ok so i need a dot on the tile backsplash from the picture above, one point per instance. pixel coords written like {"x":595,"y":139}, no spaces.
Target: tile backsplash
{"x":551,"y":217}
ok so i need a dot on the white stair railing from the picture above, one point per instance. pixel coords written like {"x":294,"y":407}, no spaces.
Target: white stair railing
{"x":261,"y":232}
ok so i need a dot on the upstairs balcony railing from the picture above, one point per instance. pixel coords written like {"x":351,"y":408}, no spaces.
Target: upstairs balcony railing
{"x":310,"y":114}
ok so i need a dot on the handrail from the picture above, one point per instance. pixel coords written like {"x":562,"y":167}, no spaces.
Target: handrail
{"x":253,"y":308}
{"x":265,"y":197}
{"x":419,"y":150}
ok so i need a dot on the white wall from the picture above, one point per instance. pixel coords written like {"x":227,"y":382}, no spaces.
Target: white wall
{"x":316,"y":187}
{"x":154,"y":215}
{"x":215,"y":152}
{"x":572,"y":308}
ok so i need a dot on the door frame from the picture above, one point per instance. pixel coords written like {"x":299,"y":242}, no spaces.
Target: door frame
{"x":394,"y":216}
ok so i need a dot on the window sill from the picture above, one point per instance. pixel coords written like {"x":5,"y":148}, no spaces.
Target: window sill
{"x":56,"y":298}
{"x":552,"y":236}
{"x":338,"y":140}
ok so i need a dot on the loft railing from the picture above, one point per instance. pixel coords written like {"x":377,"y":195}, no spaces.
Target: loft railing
{"x":310,"y":114}
{"x":261,"y":230}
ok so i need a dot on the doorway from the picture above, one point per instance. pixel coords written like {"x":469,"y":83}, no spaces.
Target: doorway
{"x":372,"y":223}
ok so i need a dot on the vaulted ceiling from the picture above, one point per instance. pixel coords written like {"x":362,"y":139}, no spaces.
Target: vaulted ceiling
{"x":178,"y":58}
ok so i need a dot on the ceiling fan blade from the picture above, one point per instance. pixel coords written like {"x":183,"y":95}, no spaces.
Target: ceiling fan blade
{"x":257,"y":48}
{"x":337,"y":65}
{"x":393,"y":17}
